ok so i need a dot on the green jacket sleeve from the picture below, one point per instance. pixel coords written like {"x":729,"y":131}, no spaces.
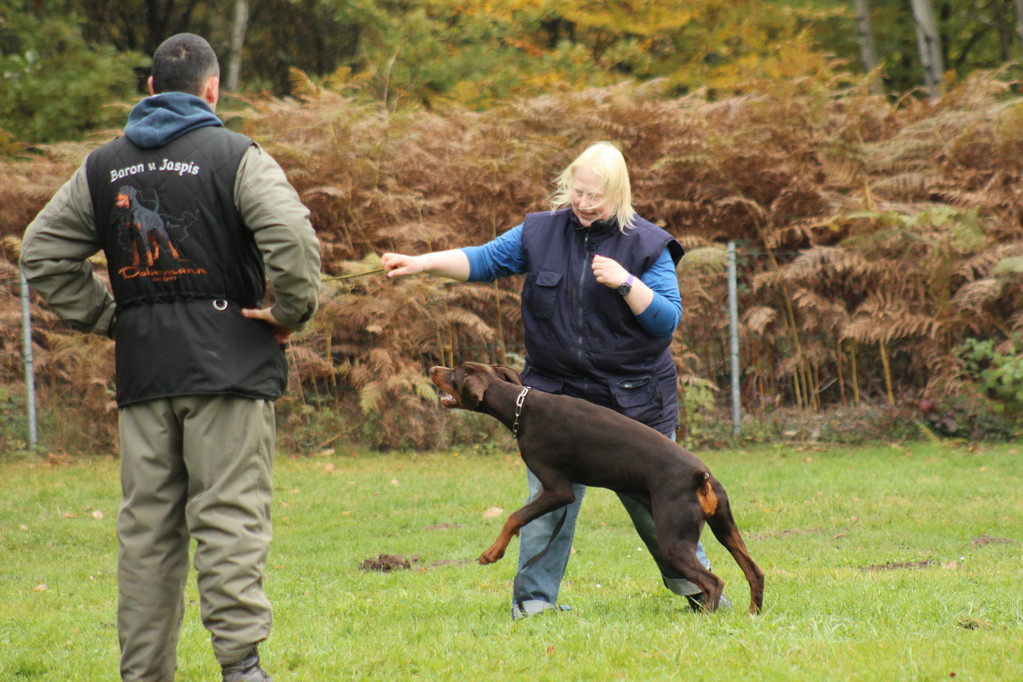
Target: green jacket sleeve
{"x":55,"y":254}
{"x":272,"y":209}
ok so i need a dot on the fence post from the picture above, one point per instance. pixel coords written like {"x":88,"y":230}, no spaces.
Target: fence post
{"x":733,"y":334}
{"x":30,"y":382}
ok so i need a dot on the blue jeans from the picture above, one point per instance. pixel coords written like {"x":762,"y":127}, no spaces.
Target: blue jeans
{"x":541,"y":580}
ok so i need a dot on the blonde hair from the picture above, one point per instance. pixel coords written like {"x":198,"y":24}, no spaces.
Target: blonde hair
{"x":607,"y":162}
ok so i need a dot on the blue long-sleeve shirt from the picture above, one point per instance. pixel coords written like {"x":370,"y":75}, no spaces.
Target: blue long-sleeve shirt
{"x":503,"y":256}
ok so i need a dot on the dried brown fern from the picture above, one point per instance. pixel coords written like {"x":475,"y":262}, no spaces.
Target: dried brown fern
{"x":873,"y":238}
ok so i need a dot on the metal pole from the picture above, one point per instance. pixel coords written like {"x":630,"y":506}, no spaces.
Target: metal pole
{"x":30,"y":382}
{"x":733,"y":333}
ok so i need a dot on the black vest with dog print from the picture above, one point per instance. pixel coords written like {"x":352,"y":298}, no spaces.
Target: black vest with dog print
{"x":182,"y":264}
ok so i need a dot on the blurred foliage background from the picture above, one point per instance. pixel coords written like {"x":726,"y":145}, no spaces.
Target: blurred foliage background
{"x":63,"y":60}
{"x":878,"y":218}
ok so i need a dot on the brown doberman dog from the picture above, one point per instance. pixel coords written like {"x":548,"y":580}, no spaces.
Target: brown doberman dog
{"x":566,"y":440}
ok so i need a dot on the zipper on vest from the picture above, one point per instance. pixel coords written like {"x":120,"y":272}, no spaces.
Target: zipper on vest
{"x":580,"y":301}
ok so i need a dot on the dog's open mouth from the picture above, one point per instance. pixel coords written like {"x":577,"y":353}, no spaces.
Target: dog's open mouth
{"x":441,"y":378}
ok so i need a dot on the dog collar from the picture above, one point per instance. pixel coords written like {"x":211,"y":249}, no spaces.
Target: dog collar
{"x":519,"y":402}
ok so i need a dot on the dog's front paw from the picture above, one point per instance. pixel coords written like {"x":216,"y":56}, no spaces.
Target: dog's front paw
{"x":491,"y":555}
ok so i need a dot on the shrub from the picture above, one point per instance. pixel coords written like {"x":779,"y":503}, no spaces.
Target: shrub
{"x":54,"y":86}
{"x":997,"y":368}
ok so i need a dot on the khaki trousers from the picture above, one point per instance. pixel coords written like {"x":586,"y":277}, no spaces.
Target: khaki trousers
{"x":193,"y":467}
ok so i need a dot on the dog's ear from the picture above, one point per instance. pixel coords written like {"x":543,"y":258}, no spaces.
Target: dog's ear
{"x":507,"y":374}
{"x":473,"y":388}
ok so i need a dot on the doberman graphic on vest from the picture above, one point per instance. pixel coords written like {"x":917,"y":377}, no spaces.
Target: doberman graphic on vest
{"x":145,"y":225}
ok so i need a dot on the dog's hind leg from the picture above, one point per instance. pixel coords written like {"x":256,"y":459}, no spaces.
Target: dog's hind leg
{"x":682,"y":558}
{"x":170,"y":245}
{"x":678,"y":531}
{"x":726,"y":531}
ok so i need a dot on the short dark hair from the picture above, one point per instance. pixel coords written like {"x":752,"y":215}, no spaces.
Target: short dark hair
{"x":184,"y":63}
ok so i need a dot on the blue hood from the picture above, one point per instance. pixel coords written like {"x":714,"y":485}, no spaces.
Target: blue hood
{"x":159,"y":119}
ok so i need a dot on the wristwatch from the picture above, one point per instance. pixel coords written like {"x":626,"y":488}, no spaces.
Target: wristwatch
{"x":625,"y":287}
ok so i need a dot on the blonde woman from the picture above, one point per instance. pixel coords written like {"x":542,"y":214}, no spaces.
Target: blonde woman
{"x":599,"y":306}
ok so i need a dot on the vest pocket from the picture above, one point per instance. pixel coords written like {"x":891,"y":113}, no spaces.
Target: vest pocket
{"x":534,"y":379}
{"x":542,"y":296}
{"x":637,"y":397}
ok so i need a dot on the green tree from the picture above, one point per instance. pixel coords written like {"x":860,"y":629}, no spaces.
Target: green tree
{"x":55,"y":85}
{"x":480,"y":52}
{"x":973,"y":34}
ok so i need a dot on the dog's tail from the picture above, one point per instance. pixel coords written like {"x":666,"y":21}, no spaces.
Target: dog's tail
{"x":705,"y":493}
{"x":726,"y":531}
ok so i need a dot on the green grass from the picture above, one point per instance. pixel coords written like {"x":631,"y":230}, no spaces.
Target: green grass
{"x":886,"y":563}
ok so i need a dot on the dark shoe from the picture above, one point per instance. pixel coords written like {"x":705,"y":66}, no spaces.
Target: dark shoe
{"x":245,"y":670}
{"x":696,"y":602}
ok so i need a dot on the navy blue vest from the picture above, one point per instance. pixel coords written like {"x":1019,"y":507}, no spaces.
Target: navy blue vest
{"x":182,"y":264}
{"x":581,"y":337}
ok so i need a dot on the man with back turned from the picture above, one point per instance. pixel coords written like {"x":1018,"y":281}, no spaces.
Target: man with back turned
{"x":191,"y":217}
